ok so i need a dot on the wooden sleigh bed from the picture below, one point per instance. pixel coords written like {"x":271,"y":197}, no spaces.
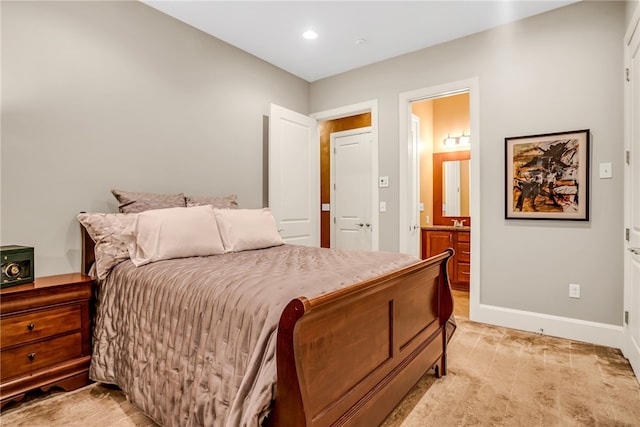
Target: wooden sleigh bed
{"x":348,"y":357}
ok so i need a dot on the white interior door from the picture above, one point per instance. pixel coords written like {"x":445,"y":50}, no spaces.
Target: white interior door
{"x":413,"y":201}
{"x":294,"y":176}
{"x":352,"y":183}
{"x":631,"y":325}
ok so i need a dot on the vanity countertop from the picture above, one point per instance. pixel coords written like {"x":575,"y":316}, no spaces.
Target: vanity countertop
{"x":446,"y":228}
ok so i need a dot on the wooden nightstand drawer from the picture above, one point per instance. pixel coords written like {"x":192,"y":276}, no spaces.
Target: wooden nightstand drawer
{"x":30,"y":357}
{"x":35,"y":325}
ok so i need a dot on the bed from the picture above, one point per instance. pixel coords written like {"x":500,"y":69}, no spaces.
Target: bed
{"x":281,"y":336}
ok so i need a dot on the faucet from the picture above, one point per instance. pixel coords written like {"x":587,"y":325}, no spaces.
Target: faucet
{"x":458,"y":223}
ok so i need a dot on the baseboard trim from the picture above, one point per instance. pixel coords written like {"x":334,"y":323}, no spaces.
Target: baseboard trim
{"x":563,"y":327}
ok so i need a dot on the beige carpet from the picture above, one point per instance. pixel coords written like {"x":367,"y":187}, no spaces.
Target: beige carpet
{"x":497,"y":377}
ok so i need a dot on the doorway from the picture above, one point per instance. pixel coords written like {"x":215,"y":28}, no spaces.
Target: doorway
{"x":335,"y":121}
{"x":447,"y":138}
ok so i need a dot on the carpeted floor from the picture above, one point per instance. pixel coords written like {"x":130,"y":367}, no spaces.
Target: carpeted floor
{"x":496,"y":377}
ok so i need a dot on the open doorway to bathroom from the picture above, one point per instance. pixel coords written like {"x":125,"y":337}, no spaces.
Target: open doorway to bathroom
{"x":443,"y":133}
{"x":438,"y":155}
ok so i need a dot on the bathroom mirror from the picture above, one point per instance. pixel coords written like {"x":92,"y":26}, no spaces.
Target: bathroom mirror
{"x":451,"y":184}
{"x":455,"y":188}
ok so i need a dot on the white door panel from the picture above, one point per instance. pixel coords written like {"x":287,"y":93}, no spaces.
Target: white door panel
{"x":352,"y":179}
{"x":631,"y":326}
{"x":294,"y":176}
{"x":413,"y":233}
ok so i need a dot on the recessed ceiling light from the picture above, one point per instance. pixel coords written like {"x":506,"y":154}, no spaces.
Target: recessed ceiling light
{"x":310,"y":35}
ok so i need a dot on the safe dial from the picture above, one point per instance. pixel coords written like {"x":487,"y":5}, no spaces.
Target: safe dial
{"x":12,"y":270}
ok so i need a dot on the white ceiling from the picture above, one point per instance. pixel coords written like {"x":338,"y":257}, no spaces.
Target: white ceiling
{"x":272,"y":30}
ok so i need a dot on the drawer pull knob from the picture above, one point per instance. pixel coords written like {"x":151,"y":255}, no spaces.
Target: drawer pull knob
{"x":31,"y":356}
{"x":30,"y":326}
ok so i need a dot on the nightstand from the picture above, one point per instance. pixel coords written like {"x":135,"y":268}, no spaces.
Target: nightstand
{"x":45,"y":336}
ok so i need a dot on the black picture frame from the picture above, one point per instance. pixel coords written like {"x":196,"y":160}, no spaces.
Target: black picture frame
{"x":547,"y":176}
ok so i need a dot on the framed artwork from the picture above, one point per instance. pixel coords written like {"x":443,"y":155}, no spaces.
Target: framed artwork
{"x":547,"y":176}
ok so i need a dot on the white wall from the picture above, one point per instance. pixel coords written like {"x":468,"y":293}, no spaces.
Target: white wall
{"x":557,"y":71}
{"x":101,"y":95}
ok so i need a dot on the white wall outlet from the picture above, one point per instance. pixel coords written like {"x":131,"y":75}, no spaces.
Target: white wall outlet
{"x":383,"y":206}
{"x":326,"y":207}
{"x":574,"y":290}
{"x":606,"y":170}
{"x":384,"y":181}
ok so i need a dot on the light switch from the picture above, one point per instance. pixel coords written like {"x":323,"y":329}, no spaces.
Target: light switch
{"x":384,"y":181}
{"x":383,"y":206}
{"x":421,"y":207}
{"x":326,"y":207}
{"x":605,"y":170}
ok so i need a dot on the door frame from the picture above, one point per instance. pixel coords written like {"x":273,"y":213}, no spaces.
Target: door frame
{"x":374,"y":183}
{"x":352,"y":110}
{"x":404,"y":122}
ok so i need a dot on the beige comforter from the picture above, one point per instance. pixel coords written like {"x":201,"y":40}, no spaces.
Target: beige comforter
{"x":192,"y":341}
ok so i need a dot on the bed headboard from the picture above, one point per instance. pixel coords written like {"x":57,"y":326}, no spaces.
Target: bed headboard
{"x":88,"y":254}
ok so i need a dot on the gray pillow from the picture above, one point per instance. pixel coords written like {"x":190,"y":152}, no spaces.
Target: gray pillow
{"x":134,"y":202}
{"x":227,"y":202}
{"x":106,"y":231}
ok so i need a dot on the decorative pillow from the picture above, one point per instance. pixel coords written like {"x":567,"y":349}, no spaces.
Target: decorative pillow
{"x":133,"y":202}
{"x":246,"y":229}
{"x":228,"y":202}
{"x":106,"y":231}
{"x":173,"y":233}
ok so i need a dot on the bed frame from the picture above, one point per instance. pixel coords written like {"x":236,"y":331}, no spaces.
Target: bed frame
{"x":347,"y":358}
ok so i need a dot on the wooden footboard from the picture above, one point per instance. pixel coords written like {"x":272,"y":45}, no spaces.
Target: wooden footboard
{"x":349,"y":357}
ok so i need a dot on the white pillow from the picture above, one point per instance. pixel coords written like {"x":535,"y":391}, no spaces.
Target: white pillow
{"x":173,"y":233}
{"x":246,"y":229}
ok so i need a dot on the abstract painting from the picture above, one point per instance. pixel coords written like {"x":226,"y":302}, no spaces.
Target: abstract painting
{"x":547,"y":176}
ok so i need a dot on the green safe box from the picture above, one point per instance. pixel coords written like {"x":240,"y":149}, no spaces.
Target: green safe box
{"x":17,"y":265}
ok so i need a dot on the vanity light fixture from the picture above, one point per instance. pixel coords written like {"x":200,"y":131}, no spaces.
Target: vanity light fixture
{"x":451,"y":141}
{"x":310,"y":35}
{"x":464,"y":139}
